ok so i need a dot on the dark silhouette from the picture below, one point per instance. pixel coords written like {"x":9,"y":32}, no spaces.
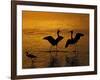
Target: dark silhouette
{"x":73,"y":40}
{"x":32,"y":57}
{"x":71,"y":34}
{"x":52,"y":41}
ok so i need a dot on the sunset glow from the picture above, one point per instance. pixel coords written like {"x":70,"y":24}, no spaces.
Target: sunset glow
{"x":37,"y":25}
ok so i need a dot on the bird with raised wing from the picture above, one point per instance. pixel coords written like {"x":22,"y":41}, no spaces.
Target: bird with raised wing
{"x":74,"y":40}
{"x":52,"y":41}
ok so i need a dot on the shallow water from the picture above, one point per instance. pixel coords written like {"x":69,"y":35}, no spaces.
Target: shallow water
{"x":35,"y":45}
{"x":37,"y":25}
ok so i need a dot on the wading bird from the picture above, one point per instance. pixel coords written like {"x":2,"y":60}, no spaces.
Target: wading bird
{"x":52,"y":41}
{"x":74,"y":40}
{"x":73,"y":61}
{"x":32,"y":57}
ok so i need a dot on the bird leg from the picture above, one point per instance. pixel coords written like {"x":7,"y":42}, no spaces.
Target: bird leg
{"x":50,"y":53}
{"x":75,"y":60}
{"x":76,"y":50}
{"x":32,"y":63}
{"x":50,"y":48}
{"x":56,"y":48}
{"x":56,"y":51}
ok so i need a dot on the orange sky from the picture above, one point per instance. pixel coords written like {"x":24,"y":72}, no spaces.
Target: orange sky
{"x":51,"y":20}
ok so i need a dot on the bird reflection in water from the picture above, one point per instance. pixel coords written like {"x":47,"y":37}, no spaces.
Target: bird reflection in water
{"x":73,"y":61}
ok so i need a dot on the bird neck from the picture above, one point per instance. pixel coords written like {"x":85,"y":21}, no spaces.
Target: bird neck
{"x":71,"y":35}
{"x":58,"y":34}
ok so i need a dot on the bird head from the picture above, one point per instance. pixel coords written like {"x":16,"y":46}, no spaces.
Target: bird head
{"x":58,"y":31}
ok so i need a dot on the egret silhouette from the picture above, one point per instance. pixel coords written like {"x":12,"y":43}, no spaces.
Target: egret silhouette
{"x":52,"y":41}
{"x":32,"y":57}
{"x":74,"y":40}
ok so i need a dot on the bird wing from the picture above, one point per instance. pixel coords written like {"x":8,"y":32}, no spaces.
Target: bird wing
{"x":50,"y":39}
{"x":67,"y":43}
{"x":77,"y":37}
{"x":59,"y":39}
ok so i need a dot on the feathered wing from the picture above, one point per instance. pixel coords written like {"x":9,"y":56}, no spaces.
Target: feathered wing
{"x":59,"y":39}
{"x":50,"y":39}
{"x":74,"y":40}
{"x":77,"y":37}
{"x":67,"y":43}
